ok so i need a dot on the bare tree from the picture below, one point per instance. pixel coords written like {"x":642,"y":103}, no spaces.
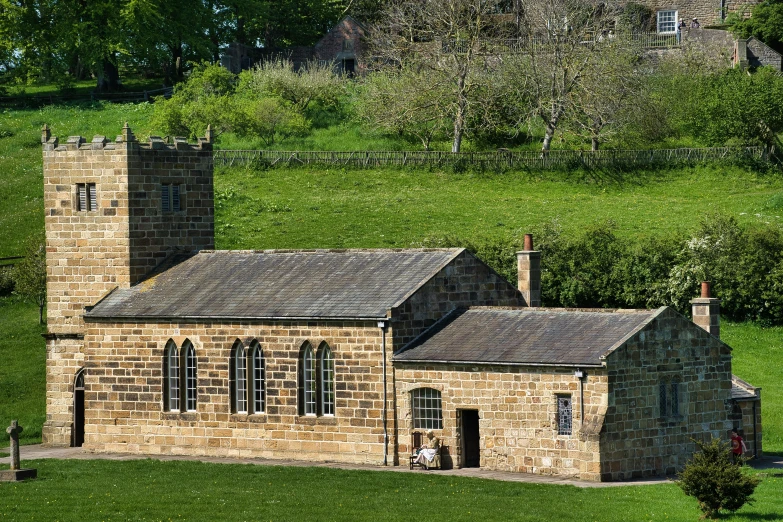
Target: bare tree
{"x":566,"y":43}
{"x":444,"y":37}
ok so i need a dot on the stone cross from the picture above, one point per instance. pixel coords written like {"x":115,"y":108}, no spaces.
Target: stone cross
{"x":14,"y":430}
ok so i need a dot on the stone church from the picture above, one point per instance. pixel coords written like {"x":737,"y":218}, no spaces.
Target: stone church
{"x":159,"y":344}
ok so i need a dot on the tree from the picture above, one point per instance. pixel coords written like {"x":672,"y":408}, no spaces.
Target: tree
{"x":444,"y":37}
{"x":717,"y":483}
{"x":395,"y":102}
{"x":765,"y":23}
{"x":30,"y":275}
{"x":567,"y":43}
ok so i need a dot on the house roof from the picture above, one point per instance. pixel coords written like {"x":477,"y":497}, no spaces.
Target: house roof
{"x":527,"y":336}
{"x":742,"y":390}
{"x":279,"y":284}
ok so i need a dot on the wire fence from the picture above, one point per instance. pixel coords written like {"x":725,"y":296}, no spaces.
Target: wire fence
{"x":40,"y":100}
{"x":499,"y":160}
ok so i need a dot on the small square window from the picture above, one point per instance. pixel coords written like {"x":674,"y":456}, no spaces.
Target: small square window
{"x":87,"y":197}
{"x":170,"y":196}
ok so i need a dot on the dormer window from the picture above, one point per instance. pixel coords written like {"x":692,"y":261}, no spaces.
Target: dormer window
{"x":87,"y":197}
{"x":170,"y":195}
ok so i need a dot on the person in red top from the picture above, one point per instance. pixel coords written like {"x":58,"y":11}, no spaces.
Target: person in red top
{"x":738,"y":448}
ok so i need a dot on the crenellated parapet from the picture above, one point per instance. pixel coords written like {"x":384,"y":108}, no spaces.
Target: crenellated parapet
{"x":125,"y":140}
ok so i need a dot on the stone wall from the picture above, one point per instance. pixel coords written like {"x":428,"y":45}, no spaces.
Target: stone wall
{"x":707,"y":12}
{"x":465,"y":282}
{"x":517,"y":409}
{"x":760,"y":54}
{"x":343,"y":42}
{"x":91,"y":251}
{"x":640,"y":437}
{"x":124,"y":395}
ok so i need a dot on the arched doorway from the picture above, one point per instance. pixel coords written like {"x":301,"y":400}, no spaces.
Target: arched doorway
{"x":78,"y":409}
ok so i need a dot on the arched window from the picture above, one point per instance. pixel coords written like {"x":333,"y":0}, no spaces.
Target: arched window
{"x":307,"y":402}
{"x":427,"y":410}
{"x":238,"y":378}
{"x":189,"y":363}
{"x":171,"y":388}
{"x":326,"y":377}
{"x":257,"y":378}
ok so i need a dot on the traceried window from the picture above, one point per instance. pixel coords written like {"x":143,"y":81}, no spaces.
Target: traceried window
{"x":170,"y":197}
{"x":257,"y":378}
{"x":564,"y":415}
{"x":326,"y":365}
{"x":667,"y":21}
{"x":307,"y":379}
{"x":238,"y":380}
{"x":427,"y":409}
{"x":171,"y":377}
{"x":87,"y":197}
{"x":190,"y":388}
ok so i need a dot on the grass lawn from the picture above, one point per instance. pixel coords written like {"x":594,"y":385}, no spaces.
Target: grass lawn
{"x":22,"y":372}
{"x":153,"y":490}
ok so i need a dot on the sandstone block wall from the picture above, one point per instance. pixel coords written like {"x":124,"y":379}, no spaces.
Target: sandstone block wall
{"x":638,"y":440}
{"x":517,"y":410}
{"x":124,"y":395}
{"x":466,"y":281}
{"x":64,"y":358}
{"x":708,"y":13}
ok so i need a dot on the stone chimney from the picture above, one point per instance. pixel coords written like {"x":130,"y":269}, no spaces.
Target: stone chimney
{"x":706,"y":310}
{"x":529,"y":273}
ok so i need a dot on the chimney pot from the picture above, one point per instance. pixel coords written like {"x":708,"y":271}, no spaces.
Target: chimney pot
{"x":528,"y":242}
{"x":706,"y":310}
{"x":705,"y":289}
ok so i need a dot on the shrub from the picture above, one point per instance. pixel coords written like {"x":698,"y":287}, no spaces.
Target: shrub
{"x":6,"y":280}
{"x":717,"y":483}
{"x":30,"y":274}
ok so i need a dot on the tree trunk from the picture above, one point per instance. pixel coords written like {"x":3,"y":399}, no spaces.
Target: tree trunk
{"x":550,"y":133}
{"x":594,"y":143}
{"x":108,"y":77}
{"x":459,"y":118}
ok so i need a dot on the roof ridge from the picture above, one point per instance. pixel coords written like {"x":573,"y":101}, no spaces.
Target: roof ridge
{"x":328,"y":250}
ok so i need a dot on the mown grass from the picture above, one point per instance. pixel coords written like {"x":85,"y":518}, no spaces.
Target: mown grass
{"x":154,"y":490}
{"x":306,"y":208}
{"x":23,"y":370}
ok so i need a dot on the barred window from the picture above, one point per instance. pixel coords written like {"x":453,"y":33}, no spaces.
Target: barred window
{"x":258,"y":378}
{"x":87,"y":197}
{"x":308,"y":406}
{"x":327,"y":381}
{"x":170,"y":197}
{"x":427,"y":409}
{"x":189,"y":357}
{"x":564,"y":415}
{"x":171,"y":377}
{"x":238,"y":368}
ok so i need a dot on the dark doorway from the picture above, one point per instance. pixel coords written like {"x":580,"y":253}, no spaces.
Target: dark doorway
{"x":471,"y":439}
{"x":78,"y":409}
{"x":349,"y":67}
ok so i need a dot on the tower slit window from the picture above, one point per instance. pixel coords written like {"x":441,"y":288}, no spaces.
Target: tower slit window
{"x":87,"y":197}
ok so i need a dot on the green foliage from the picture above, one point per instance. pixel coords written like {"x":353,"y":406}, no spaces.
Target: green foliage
{"x":712,"y":479}
{"x":314,"y":82}
{"x":636,"y":17}
{"x":765,"y":22}
{"x":268,"y":119}
{"x":737,"y":107}
{"x":6,"y":280}
{"x":30,"y":274}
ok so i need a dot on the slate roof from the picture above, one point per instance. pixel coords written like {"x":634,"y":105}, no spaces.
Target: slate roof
{"x":526,"y":336}
{"x":742,"y":390}
{"x":279,"y":284}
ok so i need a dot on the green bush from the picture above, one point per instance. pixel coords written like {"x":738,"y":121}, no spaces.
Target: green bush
{"x":6,"y":281}
{"x":717,"y":483}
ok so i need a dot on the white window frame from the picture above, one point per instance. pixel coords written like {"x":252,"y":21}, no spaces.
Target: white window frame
{"x":172,"y":378}
{"x":190,"y":369}
{"x":666,"y":21}
{"x":327,"y":381}
{"x":308,"y":382}
{"x":257,"y":378}
{"x":427,"y":409}
{"x":239,"y":378}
